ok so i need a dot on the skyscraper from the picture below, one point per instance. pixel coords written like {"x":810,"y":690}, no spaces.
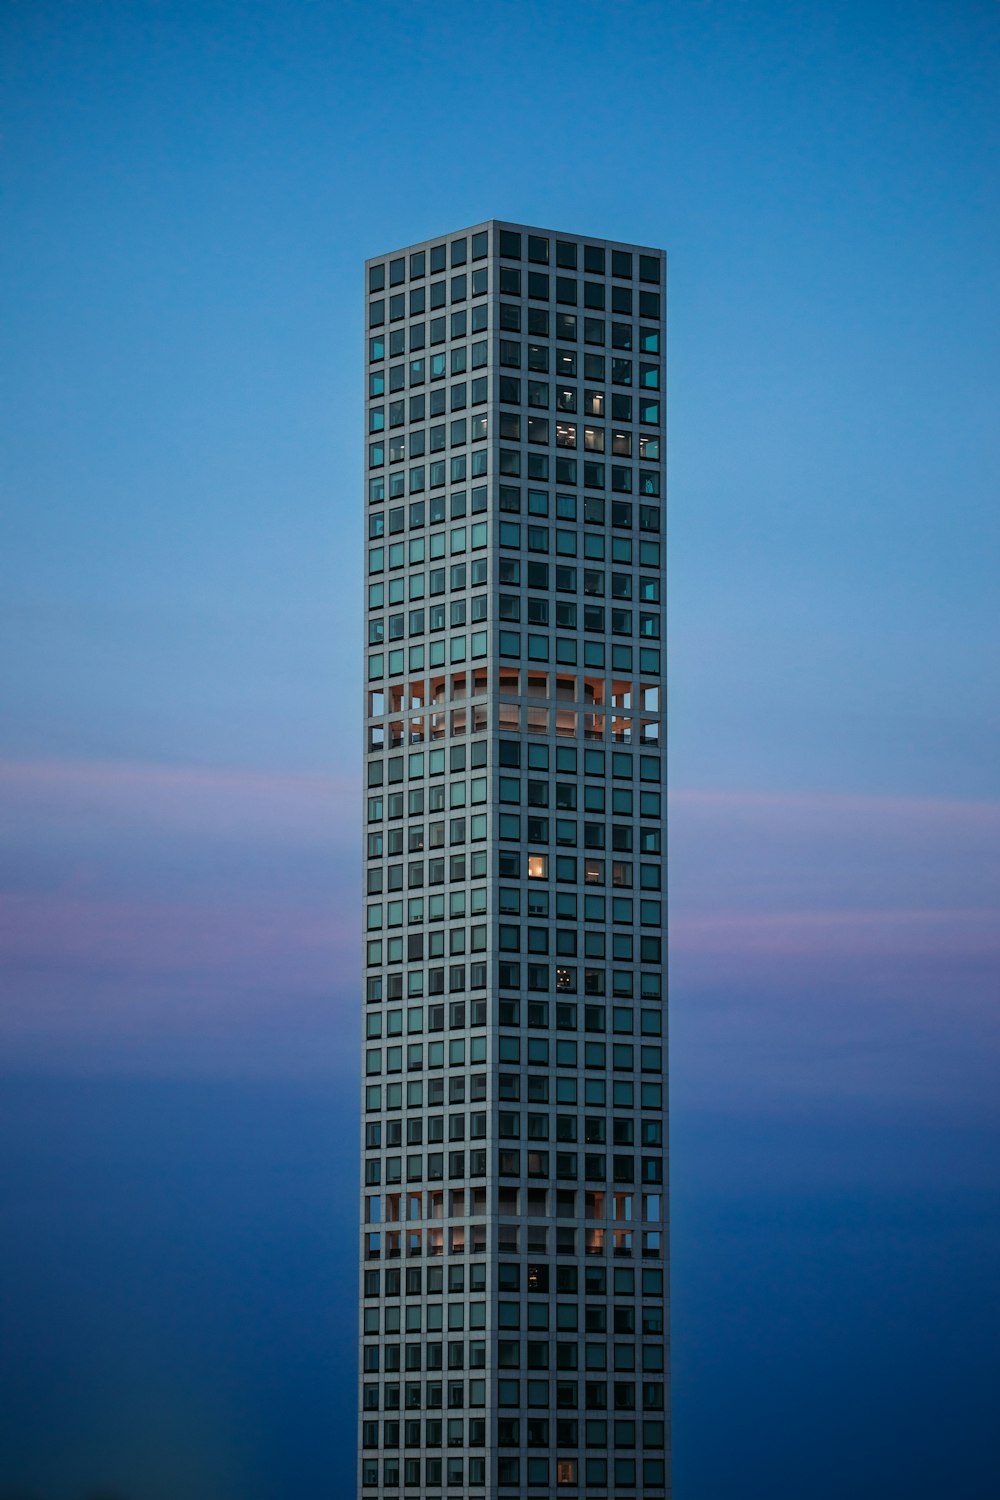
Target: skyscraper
{"x":514,"y":1241}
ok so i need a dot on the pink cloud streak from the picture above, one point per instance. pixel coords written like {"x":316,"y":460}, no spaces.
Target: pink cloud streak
{"x":770,"y":892}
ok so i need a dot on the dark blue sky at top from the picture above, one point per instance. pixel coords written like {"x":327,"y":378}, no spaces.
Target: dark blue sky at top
{"x":189,"y":192}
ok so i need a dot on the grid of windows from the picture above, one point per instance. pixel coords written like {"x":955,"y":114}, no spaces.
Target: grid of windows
{"x":514,"y":1272}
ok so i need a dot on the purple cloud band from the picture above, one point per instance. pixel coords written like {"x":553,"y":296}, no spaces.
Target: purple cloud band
{"x":181,"y":916}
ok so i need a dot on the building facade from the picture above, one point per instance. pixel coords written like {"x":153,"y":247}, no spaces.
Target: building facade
{"x":514,"y":1269}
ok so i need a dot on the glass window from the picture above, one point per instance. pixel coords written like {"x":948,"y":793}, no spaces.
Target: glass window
{"x":538,"y":322}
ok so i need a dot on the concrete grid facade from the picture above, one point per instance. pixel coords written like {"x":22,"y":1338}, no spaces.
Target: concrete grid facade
{"x":514,"y":1268}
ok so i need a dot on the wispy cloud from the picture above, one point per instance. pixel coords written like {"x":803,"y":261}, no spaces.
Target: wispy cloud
{"x":203,"y":798}
{"x":173,"y":937}
{"x":839,"y":803}
{"x":851,"y":933}
{"x":160,"y":911}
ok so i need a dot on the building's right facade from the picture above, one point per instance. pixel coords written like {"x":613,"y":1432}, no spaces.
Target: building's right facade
{"x":514,"y":1276}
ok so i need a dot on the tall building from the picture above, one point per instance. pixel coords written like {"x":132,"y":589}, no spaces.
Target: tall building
{"x":514,"y":1241}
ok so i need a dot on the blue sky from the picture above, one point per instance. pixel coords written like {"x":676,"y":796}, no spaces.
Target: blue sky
{"x":189,"y":193}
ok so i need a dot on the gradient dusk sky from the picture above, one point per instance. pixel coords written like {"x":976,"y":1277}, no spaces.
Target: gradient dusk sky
{"x":190,"y":191}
